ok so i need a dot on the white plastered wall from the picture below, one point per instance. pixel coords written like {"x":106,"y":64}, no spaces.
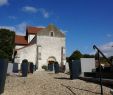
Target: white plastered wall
{"x":50,"y":46}
{"x":28,"y":53}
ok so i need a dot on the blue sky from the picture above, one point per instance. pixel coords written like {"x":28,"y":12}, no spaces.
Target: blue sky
{"x":85,"y":22}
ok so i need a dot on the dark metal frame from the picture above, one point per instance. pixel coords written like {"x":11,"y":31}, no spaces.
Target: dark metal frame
{"x":100,"y":72}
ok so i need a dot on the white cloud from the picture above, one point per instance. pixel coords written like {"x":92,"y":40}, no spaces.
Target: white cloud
{"x":64,"y":31}
{"x":3,"y":2}
{"x":8,"y":27}
{"x":44,"y":13}
{"x":29,"y":9}
{"x":20,"y":29}
{"x":107,"y":49}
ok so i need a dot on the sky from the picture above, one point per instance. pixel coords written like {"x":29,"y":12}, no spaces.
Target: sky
{"x":85,"y":22}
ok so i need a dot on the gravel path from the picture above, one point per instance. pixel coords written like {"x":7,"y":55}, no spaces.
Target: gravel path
{"x":46,"y":83}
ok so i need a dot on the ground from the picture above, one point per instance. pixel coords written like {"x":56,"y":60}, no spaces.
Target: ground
{"x":46,"y":83}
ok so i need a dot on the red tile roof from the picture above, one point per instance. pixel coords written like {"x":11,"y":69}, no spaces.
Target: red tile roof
{"x":21,"y":40}
{"x":33,"y":30}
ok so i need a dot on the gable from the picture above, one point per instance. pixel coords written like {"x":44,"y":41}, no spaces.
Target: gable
{"x":51,"y":31}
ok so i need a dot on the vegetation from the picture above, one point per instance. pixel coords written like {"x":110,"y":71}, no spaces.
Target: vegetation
{"x":3,"y":54}
{"x":45,"y":67}
{"x":77,"y":55}
{"x":7,"y":39}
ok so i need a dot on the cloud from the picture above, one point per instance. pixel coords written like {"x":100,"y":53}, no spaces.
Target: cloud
{"x":44,"y":12}
{"x":64,"y":31}
{"x":20,"y":29}
{"x":8,"y":27}
{"x":107,"y":49}
{"x":3,"y":2}
{"x":29,"y":9}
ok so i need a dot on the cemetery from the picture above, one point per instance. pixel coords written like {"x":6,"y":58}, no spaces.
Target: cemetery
{"x":79,"y":71}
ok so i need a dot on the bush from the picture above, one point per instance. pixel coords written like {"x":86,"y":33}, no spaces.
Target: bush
{"x":7,"y":43}
{"x":3,"y":54}
{"x":45,"y":67}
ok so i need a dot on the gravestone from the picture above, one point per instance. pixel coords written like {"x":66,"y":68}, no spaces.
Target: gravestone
{"x":10,"y":68}
{"x":50,"y":66}
{"x":24,"y":68}
{"x":15,"y":67}
{"x":75,"y":69}
{"x":56,"y":67}
{"x":31,"y":67}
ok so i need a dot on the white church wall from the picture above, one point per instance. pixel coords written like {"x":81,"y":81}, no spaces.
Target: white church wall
{"x":50,"y":46}
{"x":30,"y":37}
{"x":18,"y":46}
{"x":28,"y":53}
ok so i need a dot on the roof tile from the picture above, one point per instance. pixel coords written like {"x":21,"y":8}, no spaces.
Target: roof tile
{"x":20,"y":40}
{"x":33,"y":30}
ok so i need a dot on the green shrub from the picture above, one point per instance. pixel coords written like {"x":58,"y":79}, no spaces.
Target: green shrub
{"x":3,"y":54}
{"x":7,"y":42}
{"x":25,"y":61}
{"x":45,"y":67}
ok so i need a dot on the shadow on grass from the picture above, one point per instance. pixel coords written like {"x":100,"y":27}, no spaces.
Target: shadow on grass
{"x":70,"y":88}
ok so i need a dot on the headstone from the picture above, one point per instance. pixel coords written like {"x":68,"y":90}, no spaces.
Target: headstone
{"x":56,"y":67}
{"x":75,"y":69}
{"x":15,"y":67}
{"x":10,"y":68}
{"x":31,"y":67}
{"x":50,"y":66}
{"x":24,"y":68}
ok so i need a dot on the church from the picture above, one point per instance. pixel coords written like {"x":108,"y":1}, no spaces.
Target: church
{"x":41,"y":45}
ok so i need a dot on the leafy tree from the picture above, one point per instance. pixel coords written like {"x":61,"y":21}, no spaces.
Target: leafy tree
{"x":3,"y":54}
{"x":88,"y":56}
{"x":76,"y":55}
{"x":7,"y":39}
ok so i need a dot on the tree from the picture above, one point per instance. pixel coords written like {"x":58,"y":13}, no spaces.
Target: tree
{"x":76,"y":55}
{"x":7,"y":44}
{"x":88,"y":56}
